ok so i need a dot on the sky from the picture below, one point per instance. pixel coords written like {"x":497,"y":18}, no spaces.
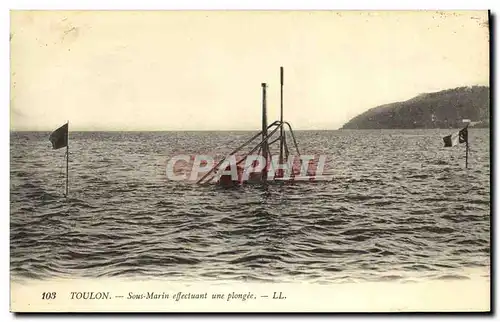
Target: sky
{"x":202,"y":70}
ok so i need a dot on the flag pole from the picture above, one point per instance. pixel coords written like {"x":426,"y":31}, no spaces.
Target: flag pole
{"x":281,"y":115}
{"x":265,"y":146}
{"x":466,"y":154}
{"x":67,"y":162}
{"x":467,"y":146}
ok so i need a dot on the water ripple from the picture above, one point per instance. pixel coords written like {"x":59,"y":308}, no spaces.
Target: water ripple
{"x":400,"y":203}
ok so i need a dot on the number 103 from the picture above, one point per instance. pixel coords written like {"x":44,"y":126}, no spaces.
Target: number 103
{"x":48,"y":295}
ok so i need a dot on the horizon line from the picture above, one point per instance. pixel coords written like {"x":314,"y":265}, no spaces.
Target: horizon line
{"x":177,"y":130}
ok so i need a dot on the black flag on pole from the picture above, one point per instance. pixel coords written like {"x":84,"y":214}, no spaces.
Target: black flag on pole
{"x":59,"y":138}
{"x":461,"y":136}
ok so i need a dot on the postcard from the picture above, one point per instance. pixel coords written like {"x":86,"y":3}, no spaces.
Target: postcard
{"x":250,"y":161}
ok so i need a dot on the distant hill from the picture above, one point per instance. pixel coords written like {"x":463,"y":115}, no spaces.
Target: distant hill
{"x":444,"y":109}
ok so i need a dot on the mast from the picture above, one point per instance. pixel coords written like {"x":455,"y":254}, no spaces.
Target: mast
{"x":265,"y":146}
{"x":281,"y":115}
{"x":67,"y":162}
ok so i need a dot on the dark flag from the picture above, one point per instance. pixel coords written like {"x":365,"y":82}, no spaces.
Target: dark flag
{"x":456,"y":138}
{"x":463,"y":135}
{"x":59,"y":138}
